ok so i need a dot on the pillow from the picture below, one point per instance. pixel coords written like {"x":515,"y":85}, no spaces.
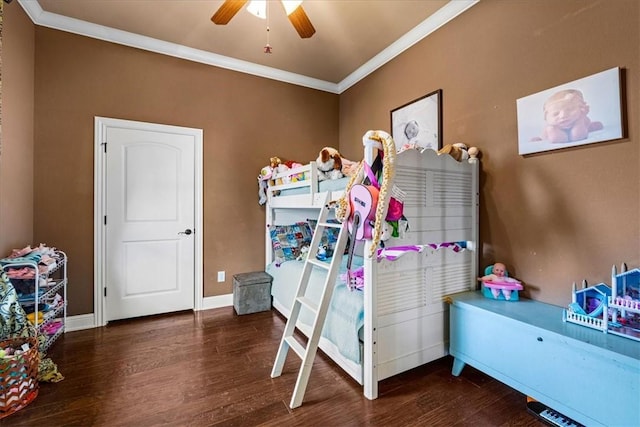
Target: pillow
{"x":288,"y":240}
{"x":329,"y":235}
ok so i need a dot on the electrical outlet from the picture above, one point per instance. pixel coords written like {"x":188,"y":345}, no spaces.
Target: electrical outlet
{"x":221,"y":276}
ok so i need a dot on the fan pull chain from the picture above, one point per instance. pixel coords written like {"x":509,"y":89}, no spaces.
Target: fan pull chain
{"x":267,"y":47}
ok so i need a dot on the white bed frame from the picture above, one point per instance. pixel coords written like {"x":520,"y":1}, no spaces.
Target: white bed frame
{"x":406,"y":318}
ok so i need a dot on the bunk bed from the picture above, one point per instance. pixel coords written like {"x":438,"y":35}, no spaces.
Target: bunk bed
{"x":399,"y":320}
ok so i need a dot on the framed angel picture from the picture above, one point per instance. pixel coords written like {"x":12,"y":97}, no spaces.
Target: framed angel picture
{"x":418,"y":124}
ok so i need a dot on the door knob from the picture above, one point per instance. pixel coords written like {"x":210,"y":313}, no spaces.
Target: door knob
{"x":187,"y":231}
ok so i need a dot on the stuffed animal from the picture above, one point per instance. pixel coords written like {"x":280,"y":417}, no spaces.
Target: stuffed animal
{"x":265,"y":176}
{"x":458,"y":151}
{"x":262,"y":191}
{"x":331,"y":165}
{"x":324,"y":252}
{"x":387,"y":231}
{"x":294,"y":165}
{"x":274,"y":162}
{"x":281,"y":168}
{"x":349,"y":167}
{"x":303,"y":253}
{"x":266,"y":173}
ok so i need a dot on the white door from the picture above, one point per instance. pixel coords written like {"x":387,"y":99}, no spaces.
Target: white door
{"x":149,"y":238}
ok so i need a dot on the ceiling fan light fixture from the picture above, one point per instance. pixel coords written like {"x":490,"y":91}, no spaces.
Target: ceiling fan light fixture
{"x":258,"y":8}
{"x":290,"y":5}
{"x":296,"y":14}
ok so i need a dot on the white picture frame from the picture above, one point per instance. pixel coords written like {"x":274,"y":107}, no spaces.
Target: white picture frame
{"x":584,"y":111}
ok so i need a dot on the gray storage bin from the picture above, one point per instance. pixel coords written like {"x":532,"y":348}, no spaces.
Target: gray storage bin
{"x":252,"y":292}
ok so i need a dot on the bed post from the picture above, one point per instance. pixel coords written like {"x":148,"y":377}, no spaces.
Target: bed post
{"x":313,"y":171}
{"x":268,"y":249}
{"x":370,"y":362}
{"x":370,"y":368}
{"x":475,"y":221}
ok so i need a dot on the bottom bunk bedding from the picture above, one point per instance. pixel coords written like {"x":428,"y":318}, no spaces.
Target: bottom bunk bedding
{"x":345,"y":318}
{"x":411,"y":313}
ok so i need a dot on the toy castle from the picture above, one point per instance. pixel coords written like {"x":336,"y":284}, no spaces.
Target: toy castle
{"x":614,"y":310}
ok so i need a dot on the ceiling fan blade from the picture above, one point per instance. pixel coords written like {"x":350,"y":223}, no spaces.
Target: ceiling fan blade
{"x":301,"y":23}
{"x":227,"y":11}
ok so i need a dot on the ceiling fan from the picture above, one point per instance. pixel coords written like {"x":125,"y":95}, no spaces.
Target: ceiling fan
{"x":294,"y":10}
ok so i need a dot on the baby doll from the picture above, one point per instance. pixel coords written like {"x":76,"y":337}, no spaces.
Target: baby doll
{"x":498,"y":275}
{"x":499,"y":284}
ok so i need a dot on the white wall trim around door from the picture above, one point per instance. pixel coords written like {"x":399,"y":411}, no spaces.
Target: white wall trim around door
{"x":100,"y":127}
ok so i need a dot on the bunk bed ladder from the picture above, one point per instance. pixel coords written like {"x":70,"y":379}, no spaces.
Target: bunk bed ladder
{"x":319,"y":310}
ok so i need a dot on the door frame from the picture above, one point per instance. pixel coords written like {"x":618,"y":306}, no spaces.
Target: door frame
{"x":99,"y":201}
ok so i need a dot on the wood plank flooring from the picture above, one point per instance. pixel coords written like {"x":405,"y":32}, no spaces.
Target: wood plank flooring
{"x":212,"y":368}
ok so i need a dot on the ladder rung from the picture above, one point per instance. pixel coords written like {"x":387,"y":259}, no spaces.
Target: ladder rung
{"x":330,"y":224}
{"x":295,"y":346}
{"x":320,"y":264}
{"x":311,"y":305}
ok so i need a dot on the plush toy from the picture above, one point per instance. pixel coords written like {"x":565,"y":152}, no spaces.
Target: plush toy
{"x":303,"y":253}
{"x":294,"y":165}
{"x":263,"y":179}
{"x":281,"y":168}
{"x":274,"y":162}
{"x":262,"y":191}
{"x":331,"y":165}
{"x":266,"y":173}
{"x":387,"y":231}
{"x":458,"y":151}
{"x":324,"y":252}
{"x":349,"y":167}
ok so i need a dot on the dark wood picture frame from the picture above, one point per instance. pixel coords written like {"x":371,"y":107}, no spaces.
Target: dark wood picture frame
{"x":418,"y":124}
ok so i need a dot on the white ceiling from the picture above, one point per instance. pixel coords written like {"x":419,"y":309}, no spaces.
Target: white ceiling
{"x":352,"y":39}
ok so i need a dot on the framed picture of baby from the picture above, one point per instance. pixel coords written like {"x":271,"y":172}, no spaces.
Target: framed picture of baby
{"x":583,"y":111}
{"x":418,"y":124}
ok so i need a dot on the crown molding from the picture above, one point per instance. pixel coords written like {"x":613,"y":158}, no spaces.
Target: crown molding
{"x":419,"y":32}
{"x":100,"y":32}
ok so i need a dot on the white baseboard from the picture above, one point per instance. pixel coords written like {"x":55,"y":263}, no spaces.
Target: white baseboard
{"x":79,"y":322}
{"x":88,"y":321}
{"x":217,"y":301}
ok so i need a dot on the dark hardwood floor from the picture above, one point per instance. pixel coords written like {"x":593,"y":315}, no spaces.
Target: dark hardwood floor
{"x":213,"y":368}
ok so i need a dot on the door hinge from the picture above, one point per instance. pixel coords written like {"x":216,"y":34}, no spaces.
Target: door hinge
{"x":105,"y":292}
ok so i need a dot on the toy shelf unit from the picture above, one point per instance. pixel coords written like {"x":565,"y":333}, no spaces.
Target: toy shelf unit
{"x":42,"y":293}
{"x":614,"y":310}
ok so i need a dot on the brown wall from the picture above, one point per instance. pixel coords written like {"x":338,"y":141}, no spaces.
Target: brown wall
{"x":245,"y":119}
{"x":16,"y":161}
{"x":555,"y":217}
